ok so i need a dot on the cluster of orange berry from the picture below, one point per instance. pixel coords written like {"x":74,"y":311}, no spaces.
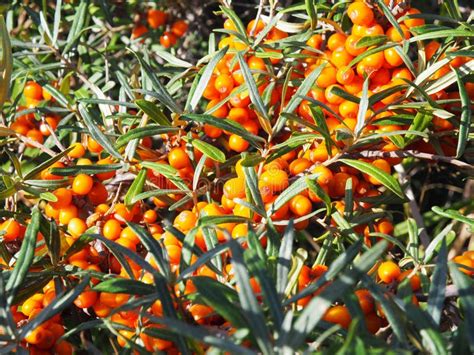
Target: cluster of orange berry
{"x":26,"y":124}
{"x":44,"y":339}
{"x":158,"y":19}
{"x":84,"y":201}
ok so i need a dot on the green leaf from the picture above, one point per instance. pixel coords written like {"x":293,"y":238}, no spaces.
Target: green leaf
{"x":168,"y":172}
{"x":76,"y":28}
{"x":221,"y":298}
{"x":160,"y":91}
{"x":363,"y":106}
{"x":226,"y":125}
{"x":259,"y":269}
{"x":465,"y":286}
{"x":465,"y":123}
{"x":142,"y":132}
{"x":251,"y":183}
{"x":369,"y":41}
{"x":235,"y":20}
{"x":154,"y":193}
{"x":284,"y":259}
{"x":453,"y":214}
{"x":252,"y":87}
{"x":128,"y":286}
{"x":85,"y":169}
{"x":96,"y":133}
{"x":311,"y":11}
{"x":135,"y":188}
{"x":196,"y":95}
{"x":290,"y":192}
{"x":25,"y":256}
{"x":442,"y":34}
{"x":209,"y":150}
{"x":421,"y":122}
{"x":385,"y":179}
{"x":438,"y":285}
{"x":153,"y":247}
{"x":6,"y":64}
{"x":35,"y":171}
{"x":153,"y":111}
{"x":251,"y":308}
{"x":303,"y":89}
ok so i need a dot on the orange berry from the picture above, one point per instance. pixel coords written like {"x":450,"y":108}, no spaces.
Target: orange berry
{"x":77,"y":152}
{"x":366,"y":301}
{"x":388,"y":272}
{"x":415,"y":281}
{"x":315,"y":41}
{"x":340,"y":57}
{"x":93,"y":146}
{"x":327,"y":77}
{"x":234,"y":188}
{"x":336,"y":40}
{"x":379,"y":164}
{"x":98,"y":193}
{"x":76,"y":227}
{"x":150,"y":216}
{"x":11,"y":228}
{"x":82,"y":184}
{"x":67,"y":213}
{"x":168,"y":39}
{"x":338,"y":184}
{"x":112,"y":229}
{"x":276,"y":180}
{"x":338,"y":315}
{"x":373,"y":322}
{"x":185,"y":220}
{"x":256,"y":27}
{"x":325,"y":175}
{"x":413,"y":22}
{"x":33,"y":90}
{"x":156,"y":18}
{"x":237,"y":143}
{"x":360,"y":14}
{"x":301,"y":205}
{"x":36,"y":136}
{"x":299,"y":165}
{"x":224,"y":84}
{"x":86,"y":299}
{"x":331,"y":97}
{"x":392,"y":57}
{"x":178,"y":158}
{"x":139,"y":31}
{"x":465,"y":261}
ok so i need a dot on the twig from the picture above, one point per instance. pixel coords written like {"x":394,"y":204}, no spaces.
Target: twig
{"x":35,"y":144}
{"x":415,"y":210}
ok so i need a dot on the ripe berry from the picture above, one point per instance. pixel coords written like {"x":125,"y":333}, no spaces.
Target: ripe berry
{"x":178,"y":158}
{"x":388,"y":272}
{"x":338,"y":315}
{"x":156,"y":18}
{"x":82,"y":184}
{"x":360,"y":14}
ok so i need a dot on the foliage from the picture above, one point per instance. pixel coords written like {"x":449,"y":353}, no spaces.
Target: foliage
{"x":296,"y":181}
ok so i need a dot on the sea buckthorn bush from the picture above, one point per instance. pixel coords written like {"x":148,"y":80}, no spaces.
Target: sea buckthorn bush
{"x":269,"y":177}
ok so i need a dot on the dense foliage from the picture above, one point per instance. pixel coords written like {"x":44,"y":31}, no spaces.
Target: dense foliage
{"x":190,"y":177}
